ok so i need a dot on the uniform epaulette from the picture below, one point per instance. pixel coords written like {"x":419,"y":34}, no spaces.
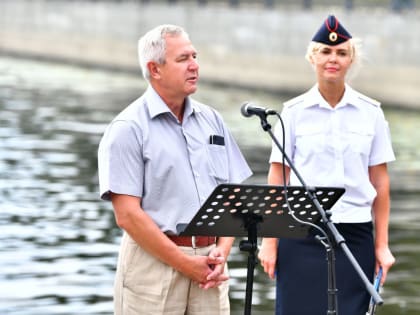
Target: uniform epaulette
{"x":294,"y":101}
{"x":369,"y":100}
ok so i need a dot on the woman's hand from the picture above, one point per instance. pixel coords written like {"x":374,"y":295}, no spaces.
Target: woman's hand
{"x":268,"y":256}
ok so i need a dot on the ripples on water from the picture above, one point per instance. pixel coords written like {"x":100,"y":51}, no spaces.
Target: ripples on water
{"x":59,"y":242}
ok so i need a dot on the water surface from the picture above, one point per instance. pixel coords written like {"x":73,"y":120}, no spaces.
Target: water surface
{"x":59,"y":242}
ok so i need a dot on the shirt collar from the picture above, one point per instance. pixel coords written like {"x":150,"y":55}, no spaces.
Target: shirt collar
{"x":350,"y":98}
{"x":157,"y":106}
{"x":314,"y":98}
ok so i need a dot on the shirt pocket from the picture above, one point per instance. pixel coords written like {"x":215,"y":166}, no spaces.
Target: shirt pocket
{"x":359,"y":139}
{"x":310,"y":139}
{"x":218,"y":162}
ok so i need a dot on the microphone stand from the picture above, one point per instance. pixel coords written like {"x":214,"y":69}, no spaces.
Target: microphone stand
{"x":332,"y":290}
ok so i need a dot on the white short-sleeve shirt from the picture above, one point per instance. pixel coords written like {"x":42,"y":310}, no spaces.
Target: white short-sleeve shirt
{"x":334,"y":147}
{"x":146,"y":152}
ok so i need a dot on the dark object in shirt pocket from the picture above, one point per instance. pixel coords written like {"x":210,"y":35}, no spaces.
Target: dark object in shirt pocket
{"x":218,"y":140}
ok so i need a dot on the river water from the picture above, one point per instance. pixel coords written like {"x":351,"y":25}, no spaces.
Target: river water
{"x":59,"y":242}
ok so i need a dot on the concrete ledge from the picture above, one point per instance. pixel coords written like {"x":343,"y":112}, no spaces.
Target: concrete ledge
{"x":248,"y":47}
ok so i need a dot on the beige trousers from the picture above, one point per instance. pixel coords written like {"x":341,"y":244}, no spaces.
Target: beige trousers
{"x":146,"y":286}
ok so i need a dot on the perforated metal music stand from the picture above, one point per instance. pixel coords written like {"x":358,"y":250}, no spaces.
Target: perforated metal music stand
{"x":258,"y":211}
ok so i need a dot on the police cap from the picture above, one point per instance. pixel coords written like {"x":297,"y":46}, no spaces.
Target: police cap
{"x":331,"y":32}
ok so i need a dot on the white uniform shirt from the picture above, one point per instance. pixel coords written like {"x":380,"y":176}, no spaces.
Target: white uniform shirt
{"x":334,"y":147}
{"x":146,"y":152}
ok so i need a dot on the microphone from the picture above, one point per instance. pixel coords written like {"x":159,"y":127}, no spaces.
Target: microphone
{"x":248,"y":109}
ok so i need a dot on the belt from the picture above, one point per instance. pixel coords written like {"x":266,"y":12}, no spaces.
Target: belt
{"x":192,"y":241}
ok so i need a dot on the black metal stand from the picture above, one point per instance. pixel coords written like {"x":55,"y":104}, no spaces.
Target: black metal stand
{"x":258,"y":210}
{"x":332,"y":289}
{"x":332,"y":297}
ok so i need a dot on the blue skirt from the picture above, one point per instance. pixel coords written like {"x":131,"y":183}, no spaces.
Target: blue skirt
{"x":302,"y":273}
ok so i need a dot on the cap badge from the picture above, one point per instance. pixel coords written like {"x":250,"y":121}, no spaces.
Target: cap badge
{"x":333,"y":36}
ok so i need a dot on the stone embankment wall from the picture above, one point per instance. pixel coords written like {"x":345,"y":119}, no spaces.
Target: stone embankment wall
{"x":247,"y":46}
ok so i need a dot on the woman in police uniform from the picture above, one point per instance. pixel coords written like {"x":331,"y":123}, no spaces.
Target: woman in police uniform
{"x":335,"y":136}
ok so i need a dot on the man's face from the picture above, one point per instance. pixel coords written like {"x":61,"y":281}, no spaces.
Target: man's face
{"x":179,"y":74}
